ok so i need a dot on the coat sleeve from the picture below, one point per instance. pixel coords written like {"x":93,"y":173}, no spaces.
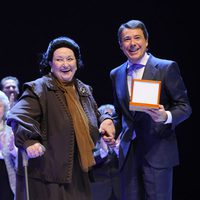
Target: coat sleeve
{"x":177,"y":101}
{"x":25,"y":117}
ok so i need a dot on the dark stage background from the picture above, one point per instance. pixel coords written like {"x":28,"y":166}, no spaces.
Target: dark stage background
{"x":27,"y":28}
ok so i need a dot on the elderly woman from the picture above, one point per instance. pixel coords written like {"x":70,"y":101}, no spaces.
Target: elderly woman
{"x":8,"y":153}
{"x":56,"y":121}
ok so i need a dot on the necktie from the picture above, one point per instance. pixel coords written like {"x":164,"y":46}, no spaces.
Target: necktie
{"x":134,"y":67}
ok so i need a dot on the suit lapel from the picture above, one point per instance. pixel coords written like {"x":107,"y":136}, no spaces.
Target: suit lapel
{"x":150,"y":70}
{"x":121,"y":84}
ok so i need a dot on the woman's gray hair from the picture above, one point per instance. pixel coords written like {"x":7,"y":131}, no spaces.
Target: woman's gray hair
{"x":4,"y":99}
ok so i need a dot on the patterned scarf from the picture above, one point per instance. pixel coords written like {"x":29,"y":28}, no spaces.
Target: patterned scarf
{"x":81,"y":127}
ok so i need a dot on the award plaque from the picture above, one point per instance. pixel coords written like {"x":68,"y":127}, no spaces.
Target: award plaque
{"x":145,"y":94}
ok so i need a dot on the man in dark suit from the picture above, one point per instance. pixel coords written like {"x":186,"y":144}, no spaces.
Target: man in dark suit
{"x":105,"y":185}
{"x":148,"y":148}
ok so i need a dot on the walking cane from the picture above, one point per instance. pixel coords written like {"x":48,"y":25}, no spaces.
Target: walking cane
{"x":25,"y":164}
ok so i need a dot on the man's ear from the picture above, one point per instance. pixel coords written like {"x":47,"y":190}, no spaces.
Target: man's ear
{"x":147,"y":43}
{"x":120,"y":46}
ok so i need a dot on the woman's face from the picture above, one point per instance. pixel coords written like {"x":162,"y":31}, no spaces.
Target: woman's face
{"x":63,"y":64}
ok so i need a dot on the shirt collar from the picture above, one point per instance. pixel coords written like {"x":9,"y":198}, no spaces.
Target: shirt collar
{"x":142,"y":61}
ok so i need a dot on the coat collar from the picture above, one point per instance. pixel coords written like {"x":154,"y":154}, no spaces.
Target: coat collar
{"x":83,"y":89}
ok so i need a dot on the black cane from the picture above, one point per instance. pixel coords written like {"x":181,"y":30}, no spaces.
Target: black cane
{"x":25,"y":164}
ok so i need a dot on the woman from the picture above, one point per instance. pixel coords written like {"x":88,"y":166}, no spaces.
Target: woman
{"x":56,"y":121}
{"x":8,"y":153}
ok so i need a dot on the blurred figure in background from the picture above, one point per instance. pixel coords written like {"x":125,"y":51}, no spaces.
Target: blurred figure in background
{"x":10,"y":86}
{"x":106,"y":175}
{"x":8,"y":153}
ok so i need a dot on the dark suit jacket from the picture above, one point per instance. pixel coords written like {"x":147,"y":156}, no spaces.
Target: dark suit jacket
{"x":157,"y":140}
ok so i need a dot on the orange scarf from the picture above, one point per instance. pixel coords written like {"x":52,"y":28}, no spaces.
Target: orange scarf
{"x":81,"y":126}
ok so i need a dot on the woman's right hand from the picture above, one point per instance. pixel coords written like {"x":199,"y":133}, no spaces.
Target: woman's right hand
{"x":35,"y":150}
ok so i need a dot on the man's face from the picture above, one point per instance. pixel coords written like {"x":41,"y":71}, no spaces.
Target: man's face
{"x":10,"y":87}
{"x":133,"y":44}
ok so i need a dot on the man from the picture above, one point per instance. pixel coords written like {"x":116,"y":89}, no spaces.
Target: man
{"x":148,"y":147}
{"x":106,"y":173}
{"x":10,"y":86}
